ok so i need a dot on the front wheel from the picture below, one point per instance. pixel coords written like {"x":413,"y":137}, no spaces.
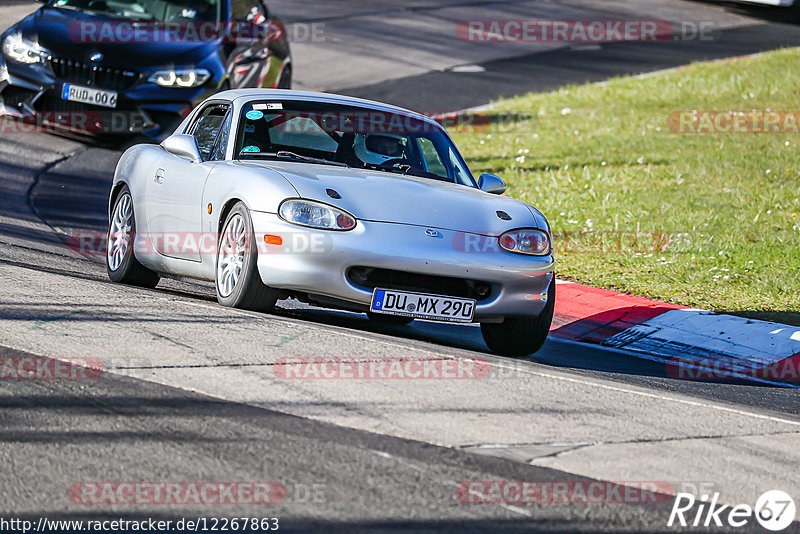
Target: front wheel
{"x":121,"y":265}
{"x":520,"y":336}
{"x":238,"y":282}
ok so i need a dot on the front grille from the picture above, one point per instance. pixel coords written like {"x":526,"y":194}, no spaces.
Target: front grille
{"x":78,"y":72}
{"x":92,"y":119}
{"x":370,"y":278}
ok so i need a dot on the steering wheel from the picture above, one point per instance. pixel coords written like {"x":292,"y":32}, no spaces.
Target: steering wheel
{"x":389,"y":163}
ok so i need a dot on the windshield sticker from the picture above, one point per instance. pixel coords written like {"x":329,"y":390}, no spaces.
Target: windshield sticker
{"x":254,"y":115}
{"x":264,"y":107}
{"x":249,"y":128}
{"x":250,"y":149}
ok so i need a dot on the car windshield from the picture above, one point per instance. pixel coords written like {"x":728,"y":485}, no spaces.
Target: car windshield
{"x":358,"y":137}
{"x":147,"y":10}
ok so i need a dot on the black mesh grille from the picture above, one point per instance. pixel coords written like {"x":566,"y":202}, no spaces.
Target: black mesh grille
{"x":78,"y":72}
{"x":370,"y":278}
{"x":15,"y":96}
{"x":93,"y":119}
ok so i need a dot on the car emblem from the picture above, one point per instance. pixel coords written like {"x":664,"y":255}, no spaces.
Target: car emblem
{"x":430,"y":232}
{"x":96,"y":57}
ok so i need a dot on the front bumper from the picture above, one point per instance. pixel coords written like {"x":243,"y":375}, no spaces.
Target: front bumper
{"x":320,"y":263}
{"x":32,"y":93}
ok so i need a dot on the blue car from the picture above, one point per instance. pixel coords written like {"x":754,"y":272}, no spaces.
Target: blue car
{"x":135,"y":67}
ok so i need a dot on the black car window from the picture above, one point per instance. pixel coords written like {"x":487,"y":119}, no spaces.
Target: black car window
{"x":207,"y":127}
{"x":147,"y":10}
{"x":222,"y":139}
{"x":339,"y":134}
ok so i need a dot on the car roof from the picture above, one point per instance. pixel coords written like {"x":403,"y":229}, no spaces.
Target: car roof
{"x":245,"y":95}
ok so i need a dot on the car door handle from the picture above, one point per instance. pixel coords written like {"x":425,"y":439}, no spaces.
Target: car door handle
{"x":159,"y":179}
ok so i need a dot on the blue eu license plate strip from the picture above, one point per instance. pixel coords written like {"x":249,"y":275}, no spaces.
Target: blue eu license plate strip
{"x":423,"y":306}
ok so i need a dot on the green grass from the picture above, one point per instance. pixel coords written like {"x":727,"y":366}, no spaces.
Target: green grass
{"x":601,"y":159}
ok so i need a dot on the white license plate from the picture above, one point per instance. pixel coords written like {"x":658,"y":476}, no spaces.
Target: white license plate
{"x":89,"y":95}
{"x":422,"y":306}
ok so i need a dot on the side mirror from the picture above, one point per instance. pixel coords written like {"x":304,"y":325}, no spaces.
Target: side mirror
{"x":183,"y":146}
{"x":491,"y":184}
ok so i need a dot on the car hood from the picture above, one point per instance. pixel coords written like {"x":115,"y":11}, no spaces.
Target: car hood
{"x":60,"y":32}
{"x":393,"y":198}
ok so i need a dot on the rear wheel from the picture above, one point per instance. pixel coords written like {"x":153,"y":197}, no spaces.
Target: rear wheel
{"x":521,"y":336}
{"x":238,"y":282}
{"x":121,"y":264}
{"x":383,"y":318}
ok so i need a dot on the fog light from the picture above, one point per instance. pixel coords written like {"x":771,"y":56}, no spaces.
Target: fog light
{"x":483,"y":289}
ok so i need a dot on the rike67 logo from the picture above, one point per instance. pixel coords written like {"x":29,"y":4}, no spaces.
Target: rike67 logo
{"x":774,"y":510}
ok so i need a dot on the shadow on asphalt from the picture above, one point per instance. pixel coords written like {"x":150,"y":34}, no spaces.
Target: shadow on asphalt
{"x":788,"y":15}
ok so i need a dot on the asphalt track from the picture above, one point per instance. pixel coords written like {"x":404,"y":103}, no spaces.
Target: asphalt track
{"x":192,"y":391}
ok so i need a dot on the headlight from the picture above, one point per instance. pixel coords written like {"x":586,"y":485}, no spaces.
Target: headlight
{"x":532,"y":242}
{"x":316,"y":215}
{"x":21,"y":50}
{"x":182,"y":78}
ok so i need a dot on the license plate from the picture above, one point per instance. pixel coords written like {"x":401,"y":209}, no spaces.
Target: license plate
{"x":89,"y":95}
{"x":422,"y":306}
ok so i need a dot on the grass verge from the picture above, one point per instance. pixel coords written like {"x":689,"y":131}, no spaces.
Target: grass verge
{"x":710,"y":220}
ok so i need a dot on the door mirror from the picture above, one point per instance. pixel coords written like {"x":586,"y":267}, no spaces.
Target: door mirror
{"x":491,"y":184}
{"x":183,"y":146}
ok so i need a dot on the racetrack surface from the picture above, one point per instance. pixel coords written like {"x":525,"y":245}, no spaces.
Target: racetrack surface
{"x":192,"y":391}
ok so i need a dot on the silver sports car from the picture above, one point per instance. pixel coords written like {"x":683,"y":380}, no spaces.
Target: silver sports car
{"x":337,"y":202}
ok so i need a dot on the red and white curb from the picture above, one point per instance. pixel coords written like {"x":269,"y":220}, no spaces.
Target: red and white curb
{"x":694,"y":344}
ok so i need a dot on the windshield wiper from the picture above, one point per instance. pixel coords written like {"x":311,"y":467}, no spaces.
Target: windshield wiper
{"x":109,"y":14}
{"x":291,"y":156}
{"x":425,"y":174}
{"x":413,"y":171}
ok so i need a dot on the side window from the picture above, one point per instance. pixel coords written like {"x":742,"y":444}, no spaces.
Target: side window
{"x":460,"y":173}
{"x":432,"y":160}
{"x":222,"y":139}
{"x":207,"y":128}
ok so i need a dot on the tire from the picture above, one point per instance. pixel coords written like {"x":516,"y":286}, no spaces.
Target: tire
{"x":236,"y":246}
{"x":121,"y":264}
{"x":285,"y":81}
{"x":520,"y":336}
{"x":383,"y":318}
